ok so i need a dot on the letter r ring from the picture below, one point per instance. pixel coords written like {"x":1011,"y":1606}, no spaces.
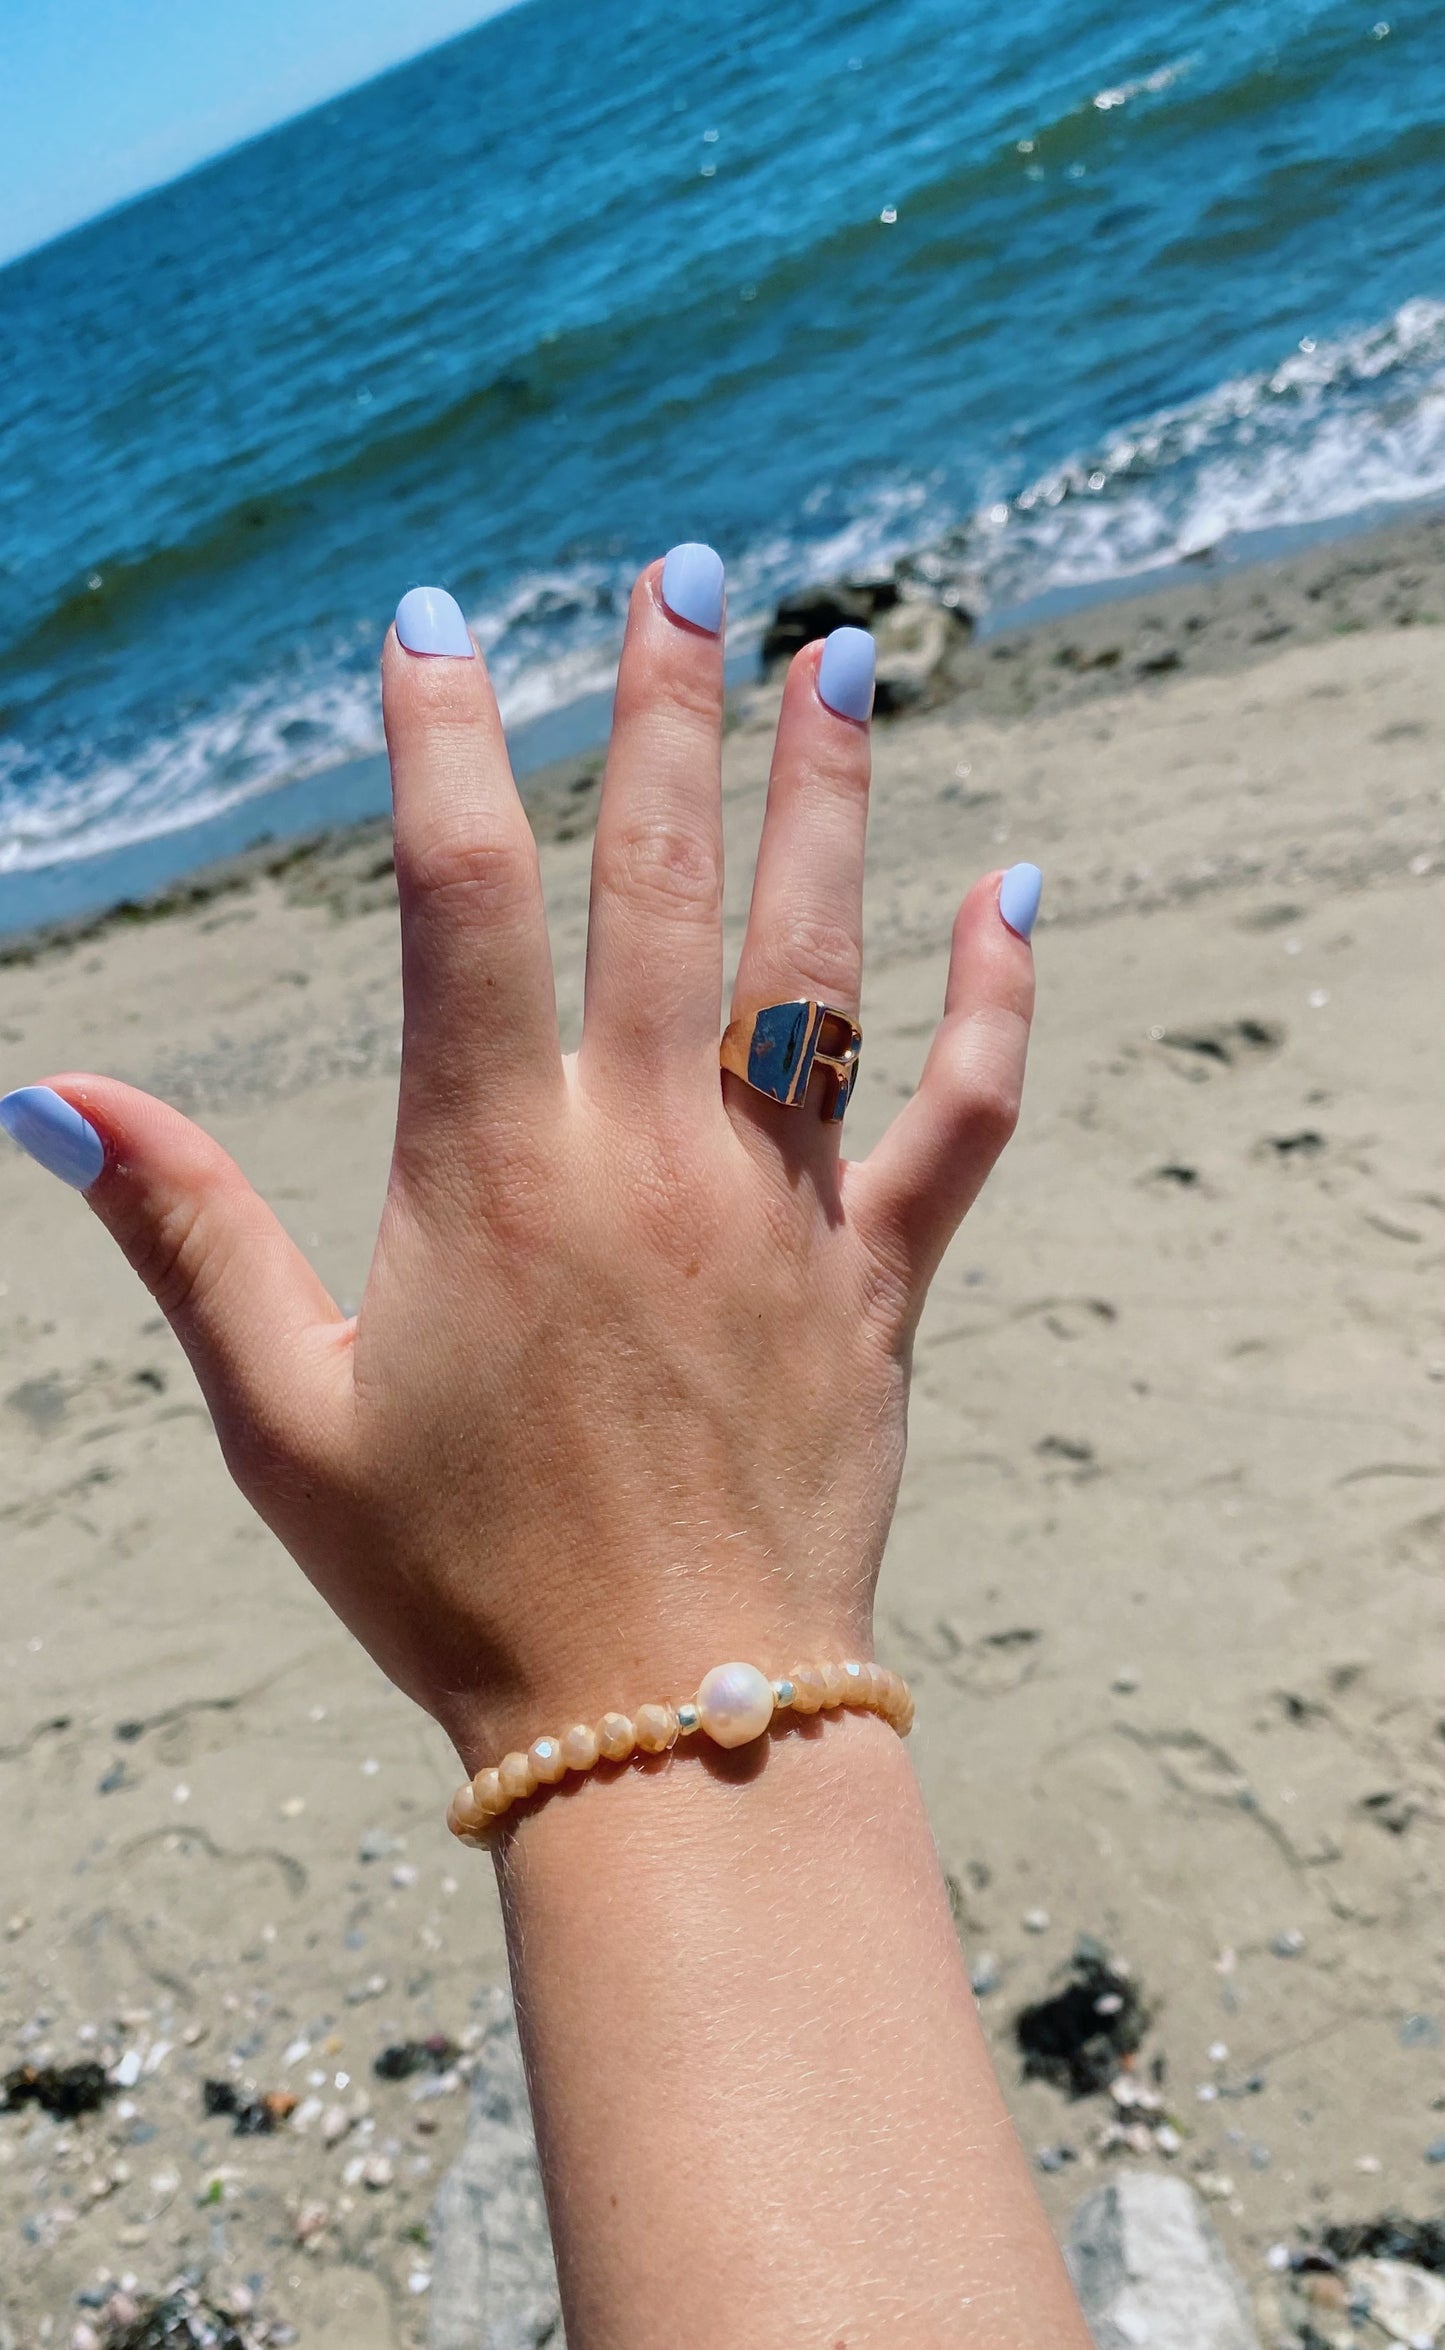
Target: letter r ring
{"x":776,"y":1050}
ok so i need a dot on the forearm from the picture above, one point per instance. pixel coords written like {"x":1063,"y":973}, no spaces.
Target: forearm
{"x":764,"y":2108}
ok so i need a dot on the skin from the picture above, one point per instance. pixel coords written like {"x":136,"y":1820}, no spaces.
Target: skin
{"x":626,"y":1396}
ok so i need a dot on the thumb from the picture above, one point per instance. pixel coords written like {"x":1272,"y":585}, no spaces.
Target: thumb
{"x":268,"y":1345}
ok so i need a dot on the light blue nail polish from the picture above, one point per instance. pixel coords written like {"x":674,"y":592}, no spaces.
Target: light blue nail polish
{"x":428,"y":620}
{"x":845,"y":673}
{"x":692,"y":586}
{"x":1018,"y":898}
{"x":63,"y":1142}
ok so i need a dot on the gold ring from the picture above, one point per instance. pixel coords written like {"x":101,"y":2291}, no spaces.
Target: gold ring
{"x":776,"y":1050}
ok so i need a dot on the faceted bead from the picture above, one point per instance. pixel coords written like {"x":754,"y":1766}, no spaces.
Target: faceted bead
{"x":487,"y":1793}
{"x":656,"y":1727}
{"x":807,"y":1689}
{"x":579,"y":1747}
{"x":514,"y":1771}
{"x":854,"y":1683}
{"x":546,"y":1758}
{"x":735,"y":1704}
{"x":616,"y":1737}
{"x":834,"y":1683}
{"x":463,"y":1818}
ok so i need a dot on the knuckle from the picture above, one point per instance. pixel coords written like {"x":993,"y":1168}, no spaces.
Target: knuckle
{"x":824,"y":955}
{"x":434,"y":695}
{"x":489,"y":869}
{"x":680,"y":696}
{"x":657,"y":860}
{"x":169,"y":1254}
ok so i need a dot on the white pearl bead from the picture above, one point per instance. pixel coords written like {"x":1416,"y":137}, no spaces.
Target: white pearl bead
{"x":735,"y":1704}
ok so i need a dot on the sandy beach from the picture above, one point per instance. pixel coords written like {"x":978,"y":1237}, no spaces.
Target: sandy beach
{"x":1168,"y":1573}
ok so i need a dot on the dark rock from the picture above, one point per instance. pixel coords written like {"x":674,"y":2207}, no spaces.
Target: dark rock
{"x":815,"y":612}
{"x":1390,"y":2237}
{"x":1078,"y":2036}
{"x":254,"y":2117}
{"x":435,"y":2054}
{"x":65,"y":2090}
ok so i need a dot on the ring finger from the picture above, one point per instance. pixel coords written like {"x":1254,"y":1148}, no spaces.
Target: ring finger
{"x":805,"y":923}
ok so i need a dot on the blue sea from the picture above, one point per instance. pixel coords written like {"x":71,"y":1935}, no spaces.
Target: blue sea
{"x":1070,"y":289}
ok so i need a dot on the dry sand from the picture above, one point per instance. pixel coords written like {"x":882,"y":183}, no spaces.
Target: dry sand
{"x":1169,"y":1567}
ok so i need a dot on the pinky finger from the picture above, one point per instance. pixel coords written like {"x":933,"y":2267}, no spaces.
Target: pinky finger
{"x":913,"y":1191}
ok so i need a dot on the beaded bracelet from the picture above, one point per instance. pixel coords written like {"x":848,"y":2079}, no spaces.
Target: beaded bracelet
{"x":733,"y":1706}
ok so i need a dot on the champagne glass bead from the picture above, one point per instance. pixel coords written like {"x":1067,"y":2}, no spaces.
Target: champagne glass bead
{"x":487,"y":1793}
{"x":808,"y":1694}
{"x":616,"y":1737}
{"x":515,"y":1774}
{"x":834,"y":1683}
{"x":546,"y":1758}
{"x":579,"y":1747}
{"x":656,"y":1727}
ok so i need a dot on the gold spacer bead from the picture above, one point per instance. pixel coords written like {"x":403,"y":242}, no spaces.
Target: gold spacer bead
{"x":689,"y":1720}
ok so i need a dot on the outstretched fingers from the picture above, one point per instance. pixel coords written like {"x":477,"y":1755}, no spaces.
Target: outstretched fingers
{"x":269,"y":1347}
{"x":912,"y":1192}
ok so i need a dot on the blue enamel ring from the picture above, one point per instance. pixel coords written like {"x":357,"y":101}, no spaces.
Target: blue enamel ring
{"x":776,"y":1050}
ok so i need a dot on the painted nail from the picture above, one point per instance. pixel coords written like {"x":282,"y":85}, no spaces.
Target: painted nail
{"x":692,"y":586}
{"x":845,"y":673}
{"x":428,"y":620}
{"x":63,"y":1142}
{"x":1018,"y":898}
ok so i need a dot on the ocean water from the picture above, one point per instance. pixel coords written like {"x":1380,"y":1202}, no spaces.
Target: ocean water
{"x":1070,"y":289}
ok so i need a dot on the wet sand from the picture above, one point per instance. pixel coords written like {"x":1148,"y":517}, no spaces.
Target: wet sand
{"x":1169,"y":1568}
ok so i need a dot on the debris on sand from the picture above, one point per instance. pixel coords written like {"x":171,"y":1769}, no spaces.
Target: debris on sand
{"x":435,"y":2054}
{"x":254,"y":2117}
{"x":184,"y":2318}
{"x":64,"y":2090}
{"x":1079,"y":2036}
{"x":1390,"y":2237}
{"x":1364,"y":2284}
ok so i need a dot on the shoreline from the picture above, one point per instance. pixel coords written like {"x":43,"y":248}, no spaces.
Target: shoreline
{"x":1223,"y":613}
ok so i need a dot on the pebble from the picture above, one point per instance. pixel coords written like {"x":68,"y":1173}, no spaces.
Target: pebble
{"x":985,"y":1974}
{"x":335,"y":2123}
{"x":377,"y":2172}
{"x":1435,"y":2152}
{"x":1289,"y":1944}
{"x":1035,"y":1921}
{"x":312,"y":2220}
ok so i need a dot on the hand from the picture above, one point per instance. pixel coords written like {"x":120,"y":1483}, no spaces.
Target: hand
{"x":626,"y":1393}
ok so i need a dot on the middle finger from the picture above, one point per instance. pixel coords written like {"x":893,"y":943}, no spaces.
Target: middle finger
{"x":654,"y":939}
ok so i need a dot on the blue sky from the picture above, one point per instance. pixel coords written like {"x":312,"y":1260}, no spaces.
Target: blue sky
{"x":102,"y":98}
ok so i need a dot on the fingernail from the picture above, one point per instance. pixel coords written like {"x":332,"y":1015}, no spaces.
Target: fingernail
{"x":692,"y":586}
{"x":845,"y":673}
{"x":1018,"y":898}
{"x":428,"y":620}
{"x":63,"y":1142}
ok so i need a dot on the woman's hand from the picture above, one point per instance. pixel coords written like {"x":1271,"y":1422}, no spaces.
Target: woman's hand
{"x":626,"y":1392}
